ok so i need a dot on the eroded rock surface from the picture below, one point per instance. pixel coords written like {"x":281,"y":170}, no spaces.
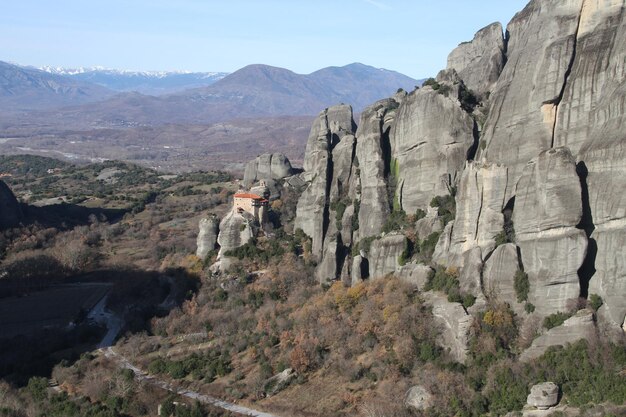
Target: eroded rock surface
{"x":454,"y":324}
{"x":578,"y":327}
{"x":480,"y":62}
{"x":267,"y":167}
{"x":430,"y":141}
{"x":384,"y":254}
{"x":548,"y":207}
{"x":543,"y":396}
{"x":207,"y":236}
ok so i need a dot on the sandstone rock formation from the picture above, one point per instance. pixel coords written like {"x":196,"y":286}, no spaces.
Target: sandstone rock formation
{"x":430,"y":141}
{"x":207,"y":236}
{"x":541,"y":47}
{"x":279,"y":382}
{"x":580,"y":326}
{"x":236,"y":229}
{"x":267,"y":167}
{"x":548,"y":207}
{"x":543,"y":396}
{"x":415,"y":274}
{"x":480,"y":62}
{"x":384,"y":254}
{"x":10,"y":210}
{"x":372,"y":152}
{"x":454,"y":324}
{"x":499,"y":275}
{"x":312,"y":210}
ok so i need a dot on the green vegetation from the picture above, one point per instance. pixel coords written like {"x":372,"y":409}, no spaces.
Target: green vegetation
{"x":446,"y":207}
{"x":521,"y":285}
{"x":595,"y":302}
{"x":440,"y":88}
{"x":206,"y":366}
{"x":556,"y":319}
{"x":397,"y":220}
{"x":447,"y":281}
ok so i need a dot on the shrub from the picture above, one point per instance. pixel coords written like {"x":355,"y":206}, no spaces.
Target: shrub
{"x":556,"y":319}
{"x":419,"y":214}
{"x":529,"y":308}
{"x":397,"y":220}
{"x":446,"y":207}
{"x":522,"y":286}
{"x":595,"y":302}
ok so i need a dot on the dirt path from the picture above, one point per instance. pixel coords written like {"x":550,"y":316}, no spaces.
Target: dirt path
{"x":206,"y":399}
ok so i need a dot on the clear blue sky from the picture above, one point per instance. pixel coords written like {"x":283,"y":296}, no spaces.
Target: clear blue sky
{"x":410,"y":36}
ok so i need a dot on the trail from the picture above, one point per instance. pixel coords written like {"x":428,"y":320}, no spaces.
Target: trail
{"x":203,"y":398}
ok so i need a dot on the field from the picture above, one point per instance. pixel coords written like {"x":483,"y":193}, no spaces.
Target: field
{"x":52,"y":308}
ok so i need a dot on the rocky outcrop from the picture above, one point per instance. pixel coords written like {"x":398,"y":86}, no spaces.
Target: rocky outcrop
{"x":312,"y":212}
{"x":578,"y":327}
{"x":480,"y":62}
{"x":499,"y":276}
{"x":428,"y":225}
{"x":418,"y":398}
{"x":10,"y":210}
{"x":384,"y":254}
{"x":415,"y":274}
{"x":279,"y":382}
{"x":541,"y":48}
{"x":372,"y":153}
{"x":235,"y":230}
{"x":454,"y":324}
{"x":479,"y":204}
{"x":543,"y":396}
{"x":267,"y":167}
{"x":430,"y":141}
{"x":207,"y":236}
{"x":548,"y":207}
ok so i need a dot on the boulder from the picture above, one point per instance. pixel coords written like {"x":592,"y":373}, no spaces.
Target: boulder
{"x":430,"y":140}
{"x":548,"y":207}
{"x":499,"y":276}
{"x":10,"y":210}
{"x":543,"y":396}
{"x":207,"y":236}
{"x":384,"y":253}
{"x":267,"y":167}
{"x":415,"y":274}
{"x":418,"y":398}
{"x":359,"y":271}
{"x":429,"y":224}
{"x":454,"y":324}
{"x":578,"y":327}
{"x":480,"y":61}
{"x":279,"y":382}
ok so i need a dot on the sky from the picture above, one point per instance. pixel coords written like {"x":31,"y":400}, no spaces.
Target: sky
{"x":413,"y":37}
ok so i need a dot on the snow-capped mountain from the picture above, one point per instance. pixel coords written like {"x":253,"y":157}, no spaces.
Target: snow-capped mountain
{"x":146,"y":82}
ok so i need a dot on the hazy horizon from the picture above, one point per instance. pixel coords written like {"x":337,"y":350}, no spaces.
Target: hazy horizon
{"x":207,"y":36}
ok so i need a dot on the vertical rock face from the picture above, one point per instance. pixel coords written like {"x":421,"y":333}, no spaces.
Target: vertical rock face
{"x":479,"y":204}
{"x":548,"y":207}
{"x":10,"y":211}
{"x":267,"y":167}
{"x":454,"y":324}
{"x":384,"y":253}
{"x":541,"y":48}
{"x":207,"y":236}
{"x":235,"y":230}
{"x":313,"y":213}
{"x":499,"y":275}
{"x":430,"y":141}
{"x":480,"y":62}
{"x":372,"y":153}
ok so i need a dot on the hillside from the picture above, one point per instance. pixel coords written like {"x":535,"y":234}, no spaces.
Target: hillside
{"x":456,"y":251}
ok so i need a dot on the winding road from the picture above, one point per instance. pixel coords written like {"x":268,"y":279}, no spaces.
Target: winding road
{"x":203,"y":398}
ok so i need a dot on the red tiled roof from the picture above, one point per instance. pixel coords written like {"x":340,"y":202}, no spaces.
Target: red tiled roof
{"x":248,"y":195}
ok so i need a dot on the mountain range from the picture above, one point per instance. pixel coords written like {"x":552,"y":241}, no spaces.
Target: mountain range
{"x":145,"y":82}
{"x":104,"y":98}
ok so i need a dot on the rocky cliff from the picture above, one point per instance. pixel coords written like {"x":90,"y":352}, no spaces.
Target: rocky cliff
{"x":523,"y":133}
